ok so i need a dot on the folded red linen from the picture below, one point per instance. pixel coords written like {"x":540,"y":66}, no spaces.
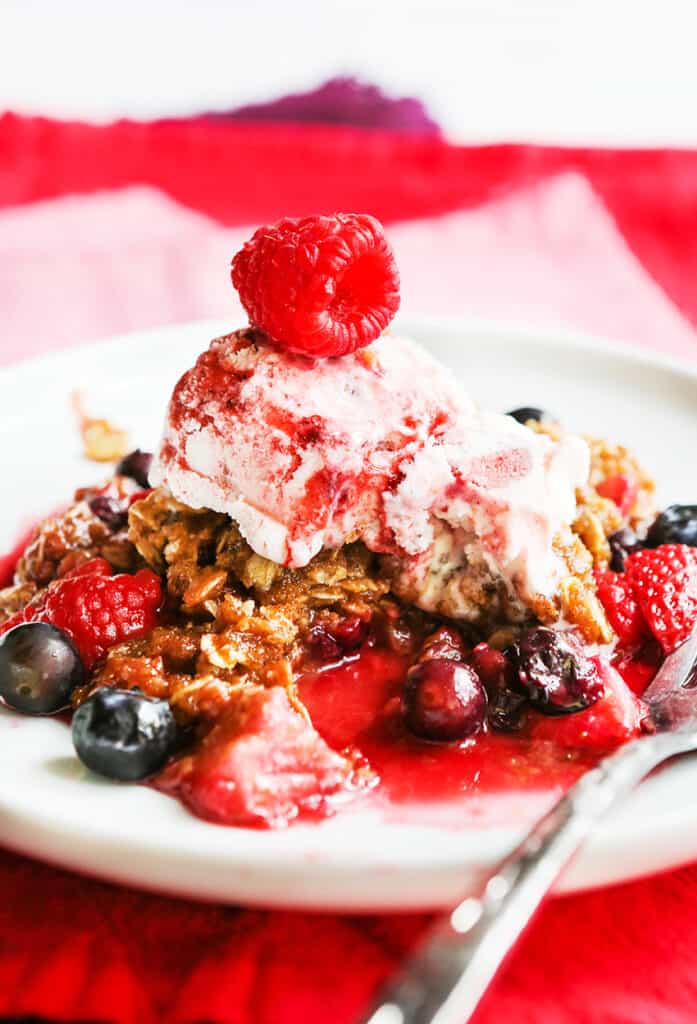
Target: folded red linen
{"x":250,"y":173}
{"x":76,"y":949}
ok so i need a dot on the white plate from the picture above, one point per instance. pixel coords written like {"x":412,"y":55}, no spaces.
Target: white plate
{"x":53,"y":809}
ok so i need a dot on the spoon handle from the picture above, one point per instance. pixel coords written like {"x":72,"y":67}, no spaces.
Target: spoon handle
{"x":448,"y":974}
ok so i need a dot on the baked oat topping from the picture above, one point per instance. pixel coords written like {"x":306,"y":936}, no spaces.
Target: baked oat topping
{"x":14,"y":598}
{"x":237,"y":620}
{"x":69,"y":538}
{"x":204,"y":556}
{"x":597,"y":519}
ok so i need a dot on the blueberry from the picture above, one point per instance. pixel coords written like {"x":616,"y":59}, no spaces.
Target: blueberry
{"x":554,"y":673}
{"x":622,"y":543}
{"x":109,"y":510}
{"x":443,"y":700}
{"x":136,"y":465}
{"x":123,"y":734}
{"x":677,"y":525}
{"x":526,"y":413}
{"x":39,"y":668}
{"x":506,"y":709}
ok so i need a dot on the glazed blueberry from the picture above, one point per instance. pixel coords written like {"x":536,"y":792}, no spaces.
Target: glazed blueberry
{"x":123,"y":734}
{"x":554,"y":673}
{"x":622,"y":543}
{"x":109,"y":510}
{"x":677,"y":525}
{"x":526,"y":413}
{"x":443,"y":700}
{"x":136,"y":465}
{"x":506,"y":707}
{"x":39,"y":668}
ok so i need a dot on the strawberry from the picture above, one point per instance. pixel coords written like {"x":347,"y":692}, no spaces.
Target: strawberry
{"x":664,"y":581}
{"x":616,"y":594}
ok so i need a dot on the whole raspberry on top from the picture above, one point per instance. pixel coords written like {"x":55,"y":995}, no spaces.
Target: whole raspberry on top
{"x":322,"y":286}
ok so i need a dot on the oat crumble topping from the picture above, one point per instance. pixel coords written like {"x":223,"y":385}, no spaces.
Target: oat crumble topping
{"x":235,"y":621}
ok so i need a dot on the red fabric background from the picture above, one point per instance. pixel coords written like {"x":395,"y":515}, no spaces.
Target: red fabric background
{"x":243,"y":173}
{"x":72,"y":948}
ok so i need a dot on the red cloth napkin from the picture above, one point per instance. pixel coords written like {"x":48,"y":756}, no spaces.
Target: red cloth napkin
{"x":76,"y":949}
{"x":247,"y":173}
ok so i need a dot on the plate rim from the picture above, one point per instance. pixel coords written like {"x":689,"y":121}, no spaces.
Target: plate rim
{"x":403,"y":323}
{"x":615,"y":842}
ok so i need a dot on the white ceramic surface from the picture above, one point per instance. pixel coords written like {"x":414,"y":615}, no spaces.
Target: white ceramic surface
{"x":52,"y":808}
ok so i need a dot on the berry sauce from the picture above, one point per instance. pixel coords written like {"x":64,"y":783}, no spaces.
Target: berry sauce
{"x":493,"y":778}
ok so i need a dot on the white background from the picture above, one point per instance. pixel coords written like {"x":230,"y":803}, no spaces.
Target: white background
{"x":558,"y":70}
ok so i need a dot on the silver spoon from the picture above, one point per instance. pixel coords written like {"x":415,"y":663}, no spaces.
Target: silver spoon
{"x":443,"y":982}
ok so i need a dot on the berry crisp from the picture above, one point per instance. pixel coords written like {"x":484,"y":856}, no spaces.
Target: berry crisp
{"x":339,"y":583}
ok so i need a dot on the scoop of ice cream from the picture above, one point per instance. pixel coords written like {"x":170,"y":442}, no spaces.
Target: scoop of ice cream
{"x":380,"y":446}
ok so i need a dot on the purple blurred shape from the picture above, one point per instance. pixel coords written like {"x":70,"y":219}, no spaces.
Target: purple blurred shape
{"x":342,"y":101}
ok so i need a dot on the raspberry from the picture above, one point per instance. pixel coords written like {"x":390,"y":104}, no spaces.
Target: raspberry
{"x":616,"y":593}
{"x":95,"y":609}
{"x":321,"y":286}
{"x":506,"y":708}
{"x":620,"y":489}
{"x":665,"y":585}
